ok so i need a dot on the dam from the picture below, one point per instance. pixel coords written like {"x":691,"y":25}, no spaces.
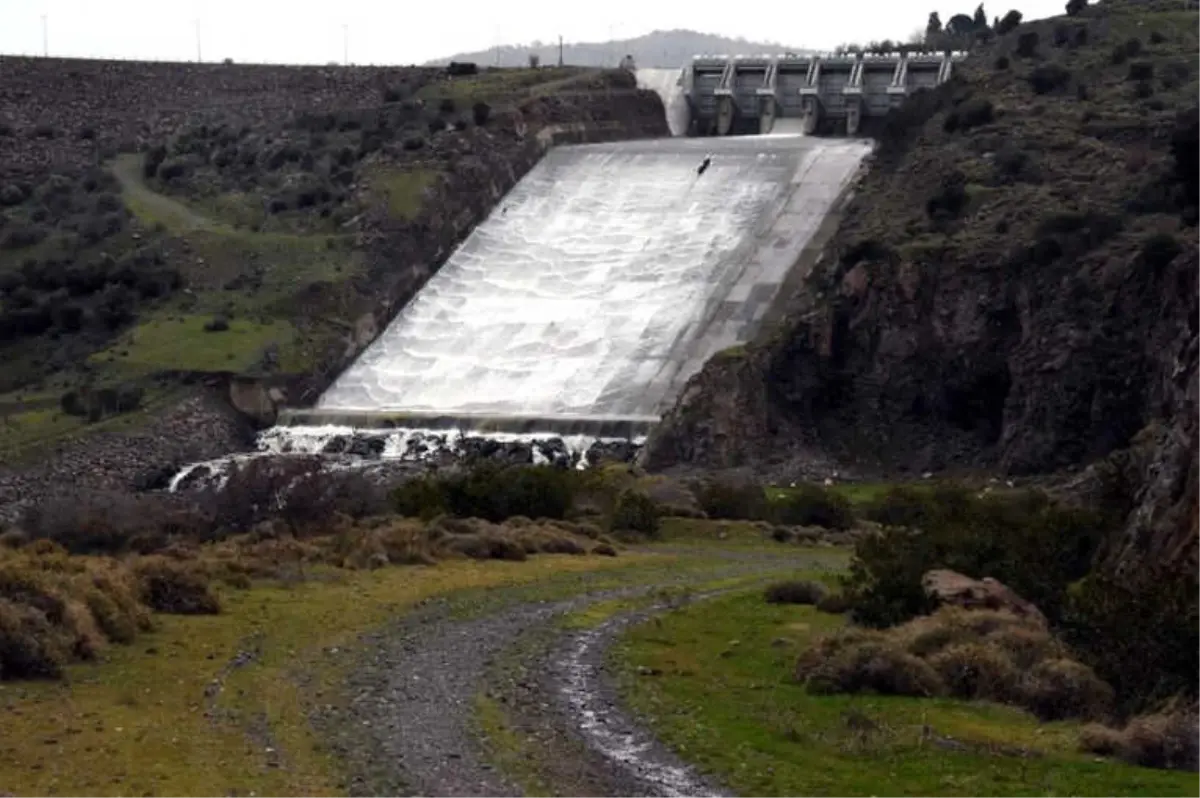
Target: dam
{"x":579,"y":308}
{"x":601,"y":283}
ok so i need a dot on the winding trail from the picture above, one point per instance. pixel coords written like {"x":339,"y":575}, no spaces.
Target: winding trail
{"x":410,"y":726}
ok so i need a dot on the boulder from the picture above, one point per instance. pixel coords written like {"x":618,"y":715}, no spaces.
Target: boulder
{"x":951,"y":587}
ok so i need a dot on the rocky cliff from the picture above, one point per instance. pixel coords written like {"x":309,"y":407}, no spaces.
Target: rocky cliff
{"x":1014,"y":288}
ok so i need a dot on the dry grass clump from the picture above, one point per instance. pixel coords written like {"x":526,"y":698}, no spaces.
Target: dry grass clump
{"x":794,"y":592}
{"x":969,"y":654}
{"x":55,"y":609}
{"x":858,"y":661}
{"x":1169,"y":739}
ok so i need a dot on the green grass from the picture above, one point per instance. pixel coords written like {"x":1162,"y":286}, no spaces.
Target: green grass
{"x":24,"y":433}
{"x":136,"y":723}
{"x":725,"y":701}
{"x":182,"y":344}
{"x":402,"y":190}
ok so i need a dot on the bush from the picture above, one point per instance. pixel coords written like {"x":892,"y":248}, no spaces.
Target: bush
{"x":1140,"y":70}
{"x":1046,"y":78}
{"x":976,"y":671}
{"x":462,"y":68}
{"x":1166,"y":740}
{"x":1027,"y":44}
{"x":810,"y":505}
{"x":733,"y":500}
{"x":175,"y":587}
{"x":636,"y":512}
{"x":28,"y":644}
{"x":856,"y":663}
{"x":835,"y":602}
{"x":1075,"y":6}
{"x":973,"y":113}
{"x":795,"y":592}
{"x":216,"y":324}
{"x":481,"y":112}
{"x":1061,"y":688}
{"x":1002,"y":63}
{"x":950,"y":200}
{"x":491,"y":492}
{"x":1031,"y":545}
{"x":1008,"y":23}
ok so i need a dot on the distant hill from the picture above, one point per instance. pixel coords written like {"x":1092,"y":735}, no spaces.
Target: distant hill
{"x":662,"y":49}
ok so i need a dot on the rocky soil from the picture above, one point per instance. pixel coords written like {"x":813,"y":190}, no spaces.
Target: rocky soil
{"x":1014,"y":288}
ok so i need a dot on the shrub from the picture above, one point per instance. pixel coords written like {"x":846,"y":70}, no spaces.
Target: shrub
{"x":1075,"y":6}
{"x":28,"y":646}
{"x":835,"y":602}
{"x":1008,"y":23}
{"x":976,"y":670}
{"x":1046,"y":78}
{"x":491,"y":492}
{"x":175,"y":587}
{"x":447,"y":106}
{"x":856,"y":664}
{"x":1002,"y":63}
{"x":1140,"y":70}
{"x":795,"y":592}
{"x":810,"y":505}
{"x":216,"y":324}
{"x":733,"y":500}
{"x":1027,"y":44}
{"x":1156,"y":37}
{"x":1023,"y":540}
{"x":462,"y":68}
{"x":1166,"y":739}
{"x":972,"y":113}
{"x":950,"y":200}
{"x":1062,"y":688}
{"x":481,"y":112}
{"x":636,"y":512}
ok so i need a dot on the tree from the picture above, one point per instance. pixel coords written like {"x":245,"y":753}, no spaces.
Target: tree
{"x":960,"y":25}
{"x":1009,"y":22}
{"x":1075,"y":6}
{"x":934,"y":26}
{"x":980,"y":19}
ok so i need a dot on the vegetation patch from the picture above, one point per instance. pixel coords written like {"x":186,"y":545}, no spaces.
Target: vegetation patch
{"x":724,"y":698}
{"x":196,"y":343}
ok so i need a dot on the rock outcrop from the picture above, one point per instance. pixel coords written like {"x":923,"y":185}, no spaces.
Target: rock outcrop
{"x":1014,"y":287}
{"x":957,"y":590}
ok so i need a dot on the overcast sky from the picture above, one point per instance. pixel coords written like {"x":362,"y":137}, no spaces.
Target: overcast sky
{"x":415,"y":31}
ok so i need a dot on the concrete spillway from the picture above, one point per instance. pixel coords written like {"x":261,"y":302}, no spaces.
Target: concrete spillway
{"x":602,"y":282}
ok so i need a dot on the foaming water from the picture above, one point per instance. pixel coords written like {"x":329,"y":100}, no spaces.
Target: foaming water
{"x":344,"y":447}
{"x":668,"y":84}
{"x":605,"y":279}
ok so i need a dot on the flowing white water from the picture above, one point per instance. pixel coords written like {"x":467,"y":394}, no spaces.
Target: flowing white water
{"x":668,"y":84}
{"x":604,"y":280}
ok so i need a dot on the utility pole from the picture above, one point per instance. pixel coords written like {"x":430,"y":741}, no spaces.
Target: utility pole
{"x":345,"y":45}
{"x":560,"y":51}
{"x":45,"y":37}
{"x":198,"y":58}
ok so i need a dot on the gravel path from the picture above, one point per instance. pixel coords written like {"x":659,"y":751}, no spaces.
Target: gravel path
{"x":408,"y":726}
{"x":587,"y":696}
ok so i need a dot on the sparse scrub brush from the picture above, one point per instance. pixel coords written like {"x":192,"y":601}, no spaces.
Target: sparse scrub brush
{"x":795,"y":592}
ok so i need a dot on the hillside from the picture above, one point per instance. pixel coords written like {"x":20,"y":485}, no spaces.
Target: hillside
{"x":1014,"y":288}
{"x":178,"y":239}
{"x":661,"y":49}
